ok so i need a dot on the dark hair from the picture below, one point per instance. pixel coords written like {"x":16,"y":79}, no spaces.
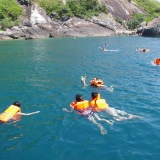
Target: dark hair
{"x":79,"y":97}
{"x":94,"y":94}
{"x":16,"y":103}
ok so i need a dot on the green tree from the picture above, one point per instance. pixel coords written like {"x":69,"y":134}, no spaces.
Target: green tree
{"x":9,"y":13}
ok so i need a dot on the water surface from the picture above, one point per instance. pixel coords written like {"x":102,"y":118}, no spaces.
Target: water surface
{"x":45,"y":75}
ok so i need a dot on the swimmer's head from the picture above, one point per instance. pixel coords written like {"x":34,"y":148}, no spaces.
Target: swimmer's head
{"x":79,"y":98}
{"x":16,"y":103}
{"x":94,"y":94}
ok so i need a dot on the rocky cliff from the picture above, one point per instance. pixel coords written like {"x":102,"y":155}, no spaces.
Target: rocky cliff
{"x":151,"y":29}
{"x":36,"y":24}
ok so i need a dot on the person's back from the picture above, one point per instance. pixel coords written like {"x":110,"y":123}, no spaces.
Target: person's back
{"x":10,"y":112}
{"x":82,"y":108}
{"x":79,"y":103}
{"x":97,"y":103}
{"x":14,"y":112}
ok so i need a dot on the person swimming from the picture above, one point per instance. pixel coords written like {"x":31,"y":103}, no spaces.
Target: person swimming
{"x":81,"y":106}
{"x":142,"y":50}
{"x":103,"y":49}
{"x":13,"y":112}
{"x":105,"y":45}
{"x":97,"y":82}
{"x":97,"y":104}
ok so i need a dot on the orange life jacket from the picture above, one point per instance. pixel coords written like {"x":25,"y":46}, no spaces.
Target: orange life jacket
{"x":157,"y":61}
{"x":9,"y":113}
{"x":80,"y":105}
{"x":97,"y":82}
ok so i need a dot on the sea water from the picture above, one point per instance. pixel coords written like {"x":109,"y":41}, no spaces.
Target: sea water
{"x":44,"y":75}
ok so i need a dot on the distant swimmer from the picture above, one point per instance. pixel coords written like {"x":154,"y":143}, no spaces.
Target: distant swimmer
{"x":83,"y":80}
{"x":106,"y":50}
{"x":105,"y":45}
{"x":82,"y":107}
{"x":97,"y":82}
{"x":103,"y":49}
{"x":13,"y":112}
{"x":142,"y":50}
{"x":157,"y":61}
{"x":98,"y":104}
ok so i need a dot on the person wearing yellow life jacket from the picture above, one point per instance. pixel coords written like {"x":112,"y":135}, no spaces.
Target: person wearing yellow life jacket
{"x":82,"y":107}
{"x":13,"y":112}
{"x":97,"y":103}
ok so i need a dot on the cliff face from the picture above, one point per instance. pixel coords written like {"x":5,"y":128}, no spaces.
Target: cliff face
{"x":122,"y":8}
{"x":36,"y":24}
{"x":151,"y":29}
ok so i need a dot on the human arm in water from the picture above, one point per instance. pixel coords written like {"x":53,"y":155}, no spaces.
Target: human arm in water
{"x":18,"y":115}
{"x":83,"y":80}
{"x":64,"y":109}
{"x":27,"y":114}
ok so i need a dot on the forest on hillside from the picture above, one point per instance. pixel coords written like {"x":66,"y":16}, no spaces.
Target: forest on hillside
{"x":10,"y":10}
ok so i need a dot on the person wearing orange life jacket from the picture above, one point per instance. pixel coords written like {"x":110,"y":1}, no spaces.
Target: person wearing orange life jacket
{"x":157,"y":61}
{"x":13,"y":112}
{"x":98,"y":104}
{"x":82,"y":107}
{"x":97,"y":82}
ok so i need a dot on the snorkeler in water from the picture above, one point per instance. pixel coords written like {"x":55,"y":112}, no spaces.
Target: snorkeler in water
{"x":82,"y":107}
{"x":97,"y":104}
{"x":13,"y":112}
{"x":105,"y":45}
{"x":142,"y":50}
{"x":97,"y":82}
{"x":103,"y":49}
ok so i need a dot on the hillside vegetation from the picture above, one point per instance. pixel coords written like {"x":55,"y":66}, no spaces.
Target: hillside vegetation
{"x":10,"y":10}
{"x":152,"y":7}
{"x":77,"y":8}
{"x":9,"y":13}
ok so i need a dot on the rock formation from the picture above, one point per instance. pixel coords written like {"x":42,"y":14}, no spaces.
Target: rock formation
{"x":150,"y":29}
{"x":36,"y":24}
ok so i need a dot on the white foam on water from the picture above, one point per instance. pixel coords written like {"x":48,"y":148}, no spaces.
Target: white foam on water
{"x":120,"y":115}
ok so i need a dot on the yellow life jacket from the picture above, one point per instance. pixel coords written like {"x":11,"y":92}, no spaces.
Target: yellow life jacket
{"x":9,"y":113}
{"x":81,"y":105}
{"x":99,"y":103}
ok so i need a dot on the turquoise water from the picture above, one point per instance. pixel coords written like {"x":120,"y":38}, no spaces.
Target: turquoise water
{"x":45,"y":75}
